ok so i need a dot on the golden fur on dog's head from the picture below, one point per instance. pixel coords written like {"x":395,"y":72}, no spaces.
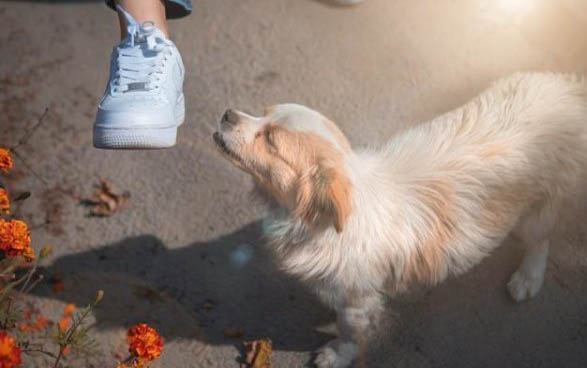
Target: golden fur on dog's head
{"x":295,"y":154}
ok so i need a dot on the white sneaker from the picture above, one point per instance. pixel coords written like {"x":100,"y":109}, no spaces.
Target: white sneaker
{"x":143,"y":104}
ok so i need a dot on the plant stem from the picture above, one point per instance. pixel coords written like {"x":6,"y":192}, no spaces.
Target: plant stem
{"x":39,"y":351}
{"x":11,"y":286}
{"x":72,"y":329}
{"x":61,"y":349}
{"x":32,"y":285}
{"x":30,"y":274}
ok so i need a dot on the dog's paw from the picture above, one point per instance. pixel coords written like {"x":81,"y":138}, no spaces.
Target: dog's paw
{"x":523,"y":286}
{"x":329,"y":357}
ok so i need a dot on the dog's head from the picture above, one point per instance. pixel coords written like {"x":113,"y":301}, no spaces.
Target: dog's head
{"x":296,"y":155}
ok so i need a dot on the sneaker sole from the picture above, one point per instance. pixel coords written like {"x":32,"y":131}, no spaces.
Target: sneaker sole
{"x":140,"y":138}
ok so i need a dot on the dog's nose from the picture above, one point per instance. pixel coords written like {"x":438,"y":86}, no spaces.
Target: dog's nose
{"x":230,"y":117}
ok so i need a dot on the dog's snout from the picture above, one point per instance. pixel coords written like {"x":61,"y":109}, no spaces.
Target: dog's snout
{"x":230,"y":117}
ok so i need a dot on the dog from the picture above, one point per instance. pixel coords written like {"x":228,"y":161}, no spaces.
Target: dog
{"x":357,"y":224}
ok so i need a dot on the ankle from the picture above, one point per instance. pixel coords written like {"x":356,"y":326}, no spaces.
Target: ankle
{"x":142,"y":11}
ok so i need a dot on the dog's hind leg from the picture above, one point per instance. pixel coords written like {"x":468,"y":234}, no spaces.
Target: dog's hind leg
{"x":535,"y":231}
{"x":354,"y":322}
{"x":528,"y":278}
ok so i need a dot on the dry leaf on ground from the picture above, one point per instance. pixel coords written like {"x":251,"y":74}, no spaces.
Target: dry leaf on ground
{"x":233,"y":332}
{"x":258,"y":354}
{"x":208,"y":305}
{"x":105,"y":201}
{"x":22,"y":196}
{"x":148,"y":293}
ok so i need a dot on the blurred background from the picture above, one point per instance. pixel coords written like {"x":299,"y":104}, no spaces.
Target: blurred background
{"x":185,"y":253}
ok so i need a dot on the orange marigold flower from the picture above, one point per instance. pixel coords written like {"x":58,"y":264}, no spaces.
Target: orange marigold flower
{"x":64,"y":323}
{"x":24,"y":327}
{"x":4,"y":202}
{"x":40,"y":323}
{"x":29,"y":254}
{"x":139,"y":364}
{"x":15,"y":238}
{"x":68,"y":310}
{"x":144,"y":342}
{"x":9,"y":351}
{"x":136,"y":364}
{"x":5,"y":160}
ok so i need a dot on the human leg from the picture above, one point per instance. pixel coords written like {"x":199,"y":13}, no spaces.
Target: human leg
{"x":143,"y":11}
{"x":143,"y":104}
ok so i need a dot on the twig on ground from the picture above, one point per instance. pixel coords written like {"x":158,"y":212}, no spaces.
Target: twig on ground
{"x":31,"y":131}
{"x":29,"y":168}
{"x":24,"y":140}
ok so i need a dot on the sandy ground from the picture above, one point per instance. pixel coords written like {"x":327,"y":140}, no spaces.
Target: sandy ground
{"x":170,"y":257}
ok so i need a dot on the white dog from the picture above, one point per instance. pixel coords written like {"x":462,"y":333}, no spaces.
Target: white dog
{"x":432,"y":202}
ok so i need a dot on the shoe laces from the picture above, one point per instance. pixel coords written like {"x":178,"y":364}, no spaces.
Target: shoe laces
{"x":140,"y":57}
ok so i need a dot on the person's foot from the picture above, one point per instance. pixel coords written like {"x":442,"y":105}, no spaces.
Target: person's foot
{"x":143,"y":104}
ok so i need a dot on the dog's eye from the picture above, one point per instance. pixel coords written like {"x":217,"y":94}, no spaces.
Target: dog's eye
{"x":269,"y":135}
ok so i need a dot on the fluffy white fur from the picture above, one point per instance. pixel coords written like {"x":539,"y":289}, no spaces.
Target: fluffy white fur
{"x":432,"y":202}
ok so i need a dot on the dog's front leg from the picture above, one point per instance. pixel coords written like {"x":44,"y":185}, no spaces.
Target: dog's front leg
{"x":354,"y":322}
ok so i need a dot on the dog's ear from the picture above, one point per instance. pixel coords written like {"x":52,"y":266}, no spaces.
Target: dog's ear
{"x":268,"y":110}
{"x":324,"y":195}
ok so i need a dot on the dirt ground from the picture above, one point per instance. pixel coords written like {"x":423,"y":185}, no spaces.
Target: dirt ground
{"x":171,"y":257}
